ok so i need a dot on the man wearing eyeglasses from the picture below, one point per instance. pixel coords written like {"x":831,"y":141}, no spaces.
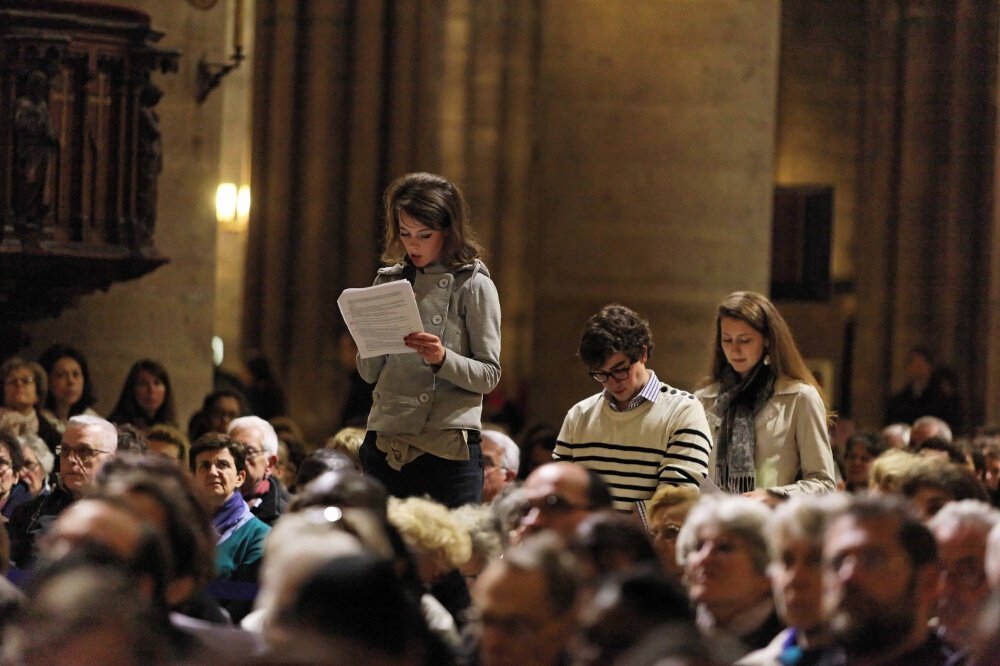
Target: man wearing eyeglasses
{"x":261,"y":490}
{"x":524,"y":605}
{"x":637,"y":433}
{"x":88,"y":443}
{"x":561,"y":495}
{"x":880,"y":585}
{"x":962,"y":530}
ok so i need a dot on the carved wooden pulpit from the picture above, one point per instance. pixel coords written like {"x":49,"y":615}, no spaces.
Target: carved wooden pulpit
{"x":80,"y":154}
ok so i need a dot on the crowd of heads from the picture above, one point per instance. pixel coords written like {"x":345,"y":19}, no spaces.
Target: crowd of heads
{"x":120,"y":564}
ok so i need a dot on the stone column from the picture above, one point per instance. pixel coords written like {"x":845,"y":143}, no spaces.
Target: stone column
{"x":652,"y":183}
{"x":349,"y":96}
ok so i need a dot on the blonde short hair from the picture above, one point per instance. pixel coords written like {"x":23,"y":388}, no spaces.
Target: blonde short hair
{"x":668,"y":496}
{"x":347,"y":439}
{"x":429,"y":527}
{"x":889,"y":469}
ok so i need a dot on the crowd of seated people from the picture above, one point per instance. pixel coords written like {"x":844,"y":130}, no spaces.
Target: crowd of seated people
{"x":128,"y":542}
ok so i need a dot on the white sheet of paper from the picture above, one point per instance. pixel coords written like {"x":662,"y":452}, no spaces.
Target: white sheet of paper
{"x":380,"y":317}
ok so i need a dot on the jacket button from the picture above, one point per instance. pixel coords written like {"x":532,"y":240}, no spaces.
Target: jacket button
{"x":443,"y":282}
{"x":424,"y":398}
{"x":437,"y":319}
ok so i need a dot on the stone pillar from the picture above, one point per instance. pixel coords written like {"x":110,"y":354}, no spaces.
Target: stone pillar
{"x":654,"y":134}
{"x":609,"y":151}
{"x":349,"y":96}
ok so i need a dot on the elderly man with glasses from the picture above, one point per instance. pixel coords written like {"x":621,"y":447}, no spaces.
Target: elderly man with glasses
{"x":962,"y":531}
{"x":558,"y":497}
{"x":637,"y":433}
{"x":501,"y":459}
{"x":524,"y":605}
{"x":261,"y":490}
{"x":88,"y":443}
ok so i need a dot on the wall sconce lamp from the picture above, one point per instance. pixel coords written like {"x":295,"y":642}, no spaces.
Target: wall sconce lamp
{"x":232,"y":206}
{"x":210,"y":74}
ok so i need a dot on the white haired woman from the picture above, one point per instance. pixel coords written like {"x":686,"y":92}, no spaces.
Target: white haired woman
{"x":38,"y":464}
{"x":722,"y":550}
{"x":795,"y":538}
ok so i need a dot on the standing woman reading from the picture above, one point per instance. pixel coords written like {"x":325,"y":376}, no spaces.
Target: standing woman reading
{"x":767,"y":413}
{"x":423,"y":429}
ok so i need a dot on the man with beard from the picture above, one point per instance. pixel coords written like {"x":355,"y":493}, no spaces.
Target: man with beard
{"x":261,"y":490}
{"x":881,"y":573}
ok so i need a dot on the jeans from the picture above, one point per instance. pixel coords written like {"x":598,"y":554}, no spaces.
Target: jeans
{"x":450,"y":482}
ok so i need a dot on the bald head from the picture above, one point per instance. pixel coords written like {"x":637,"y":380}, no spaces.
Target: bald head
{"x":561,"y":495}
{"x":565,"y":478}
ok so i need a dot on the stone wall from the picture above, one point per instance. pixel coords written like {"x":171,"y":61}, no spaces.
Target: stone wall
{"x":654,"y":135}
{"x":819,"y":142}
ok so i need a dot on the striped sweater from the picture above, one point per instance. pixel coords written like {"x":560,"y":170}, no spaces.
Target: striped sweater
{"x":661,"y":442}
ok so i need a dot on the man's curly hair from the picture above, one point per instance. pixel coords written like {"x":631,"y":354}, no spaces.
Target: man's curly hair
{"x":615,"y":328}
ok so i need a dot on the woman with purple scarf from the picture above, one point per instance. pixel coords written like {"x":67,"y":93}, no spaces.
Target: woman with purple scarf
{"x":218,"y":464}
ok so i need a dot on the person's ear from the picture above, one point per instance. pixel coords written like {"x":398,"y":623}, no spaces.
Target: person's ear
{"x":179,"y":589}
{"x":241,"y":476}
{"x":928,"y":579}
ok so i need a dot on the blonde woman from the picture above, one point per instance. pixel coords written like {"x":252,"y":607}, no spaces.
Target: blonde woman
{"x":440,"y":546}
{"x":766,"y":411}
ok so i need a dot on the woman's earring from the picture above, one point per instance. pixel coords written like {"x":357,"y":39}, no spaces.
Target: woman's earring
{"x":767,"y":359}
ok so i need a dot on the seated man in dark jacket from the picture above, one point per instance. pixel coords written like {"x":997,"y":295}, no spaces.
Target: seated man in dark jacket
{"x":87,"y":445}
{"x":260,"y":489}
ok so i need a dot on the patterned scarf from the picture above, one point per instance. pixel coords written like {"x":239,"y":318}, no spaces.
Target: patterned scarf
{"x":233,"y":513}
{"x":738,"y":405}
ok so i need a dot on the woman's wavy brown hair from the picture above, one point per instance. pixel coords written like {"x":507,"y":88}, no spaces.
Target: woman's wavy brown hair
{"x":437,"y":204}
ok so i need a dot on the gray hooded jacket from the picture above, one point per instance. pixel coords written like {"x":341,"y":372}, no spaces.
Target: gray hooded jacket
{"x":461,"y":307}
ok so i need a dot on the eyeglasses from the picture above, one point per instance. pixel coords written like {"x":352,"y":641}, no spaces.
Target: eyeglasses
{"x":668,"y":532}
{"x":967,"y":573}
{"x":600,"y":376}
{"x":19,"y":381}
{"x":489,"y":464}
{"x":253,"y":453}
{"x":515,"y":626}
{"x":83,"y":454}
{"x":557,"y":504}
{"x":31,"y":466}
{"x":871,"y":561}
